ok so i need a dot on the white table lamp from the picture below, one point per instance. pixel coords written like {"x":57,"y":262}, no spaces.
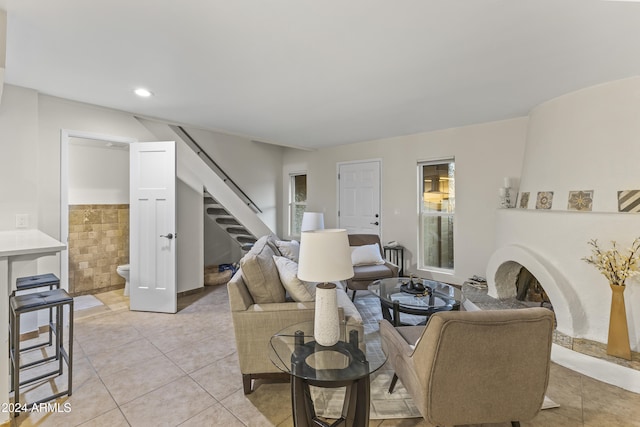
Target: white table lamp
{"x":325,"y":256}
{"x":312,"y":221}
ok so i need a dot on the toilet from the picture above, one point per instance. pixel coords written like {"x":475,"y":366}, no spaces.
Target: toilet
{"x":123,"y":271}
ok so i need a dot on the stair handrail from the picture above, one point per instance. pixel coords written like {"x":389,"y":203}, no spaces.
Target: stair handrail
{"x":225,"y":177}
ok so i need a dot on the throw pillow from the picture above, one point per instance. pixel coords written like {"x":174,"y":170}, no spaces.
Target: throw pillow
{"x":272,"y":240}
{"x":260,"y":274}
{"x":288,"y":272}
{"x":290,"y":249}
{"x":366,"y":255}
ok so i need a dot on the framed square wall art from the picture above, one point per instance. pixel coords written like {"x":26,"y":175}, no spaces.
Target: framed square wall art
{"x":545,"y":199}
{"x":580,"y":200}
{"x":629,"y":201}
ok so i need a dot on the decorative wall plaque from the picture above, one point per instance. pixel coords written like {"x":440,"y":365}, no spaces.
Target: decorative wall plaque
{"x":629,"y":201}
{"x":545,"y":199}
{"x":580,"y":200}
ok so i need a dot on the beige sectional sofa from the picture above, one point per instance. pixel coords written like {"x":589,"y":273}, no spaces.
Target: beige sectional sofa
{"x":260,"y":307}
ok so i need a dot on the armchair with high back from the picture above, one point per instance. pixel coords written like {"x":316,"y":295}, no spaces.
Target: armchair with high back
{"x":365,"y":274}
{"x":474,"y":367}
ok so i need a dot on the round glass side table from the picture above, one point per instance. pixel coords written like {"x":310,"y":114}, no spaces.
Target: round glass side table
{"x":345,"y":364}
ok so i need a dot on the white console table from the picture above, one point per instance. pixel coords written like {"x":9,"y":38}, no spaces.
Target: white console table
{"x":16,"y":245}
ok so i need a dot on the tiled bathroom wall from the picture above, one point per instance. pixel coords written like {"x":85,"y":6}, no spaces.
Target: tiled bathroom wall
{"x":98,"y":243}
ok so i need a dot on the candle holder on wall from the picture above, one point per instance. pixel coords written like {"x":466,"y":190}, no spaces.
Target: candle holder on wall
{"x":507,"y":194}
{"x":508,"y":197}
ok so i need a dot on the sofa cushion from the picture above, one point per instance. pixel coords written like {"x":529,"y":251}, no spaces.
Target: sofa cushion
{"x":371,"y":272}
{"x":260,"y":273}
{"x":366,"y":255}
{"x":351,"y":313}
{"x":290,"y":249}
{"x":288,"y":272}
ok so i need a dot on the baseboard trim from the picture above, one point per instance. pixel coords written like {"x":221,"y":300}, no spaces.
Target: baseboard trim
{"x":29,"y":335}
{"x":601,"y":370}
{"x":34,"y":334}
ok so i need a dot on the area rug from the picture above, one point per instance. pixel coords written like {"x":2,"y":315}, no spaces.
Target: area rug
{"x":84,"y":302}
{"x":328,"y":402}
{"x":399,"y":404}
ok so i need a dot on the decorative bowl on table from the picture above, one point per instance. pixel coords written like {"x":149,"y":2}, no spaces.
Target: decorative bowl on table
{"x":414,"y":287}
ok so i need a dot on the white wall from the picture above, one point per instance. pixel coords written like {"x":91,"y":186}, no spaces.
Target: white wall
{"x":19,"y":156}
{"x":30,"y":125}
{"x":484,"y":154}
{"x":190,"y":252}
{"x":585,"y":140}
{"x":98,"y":174}
{"x":53,"y":115}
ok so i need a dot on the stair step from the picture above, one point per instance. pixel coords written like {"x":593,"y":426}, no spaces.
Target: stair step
{"x":217,"y":211}
{"x":238,"y":230}
{"x":227,"y":221}
{"x":246,"y":239}
{"x":246,"y":247}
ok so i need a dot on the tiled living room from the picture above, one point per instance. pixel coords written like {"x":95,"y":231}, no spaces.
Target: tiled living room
{"x":145,"y":369}
{"x":484,"y":139}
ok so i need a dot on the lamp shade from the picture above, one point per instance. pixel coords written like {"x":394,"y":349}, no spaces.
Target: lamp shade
{"x":325,"y":256}
{"x":312,"y":221}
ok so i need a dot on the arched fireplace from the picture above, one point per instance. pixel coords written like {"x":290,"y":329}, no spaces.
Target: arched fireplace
{"x":584,"y":140}
{"x":530,"y":291}
{"x":502,"y":275}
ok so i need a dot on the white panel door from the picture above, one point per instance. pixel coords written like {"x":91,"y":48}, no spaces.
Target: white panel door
{"x":359,"y":197}
{"x":153,"y":227}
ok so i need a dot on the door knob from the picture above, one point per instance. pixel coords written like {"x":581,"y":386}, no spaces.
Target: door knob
{"x":168,"y":236}
{"x":374,"y":223}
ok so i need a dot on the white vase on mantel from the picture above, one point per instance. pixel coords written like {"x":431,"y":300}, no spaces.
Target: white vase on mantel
{"x":326,"y":326}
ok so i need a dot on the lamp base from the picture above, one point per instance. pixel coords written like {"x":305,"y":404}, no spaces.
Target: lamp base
{"x":326,"y":326}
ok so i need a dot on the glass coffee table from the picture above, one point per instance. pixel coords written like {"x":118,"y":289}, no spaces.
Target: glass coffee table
{"x":419,"y":297}
{"x":294,"y":350}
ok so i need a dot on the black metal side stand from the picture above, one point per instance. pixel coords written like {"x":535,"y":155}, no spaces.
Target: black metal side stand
{"x":355,"y":410}
{"x":395,"y":254}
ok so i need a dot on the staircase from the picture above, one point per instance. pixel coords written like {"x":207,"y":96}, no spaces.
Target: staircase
{"x":228,"y":222}
{"x":224,"y":202}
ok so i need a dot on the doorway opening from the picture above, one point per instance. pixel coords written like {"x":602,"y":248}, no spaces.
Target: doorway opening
{"x":94,"y":211}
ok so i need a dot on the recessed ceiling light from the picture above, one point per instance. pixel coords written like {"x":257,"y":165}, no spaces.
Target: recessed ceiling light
{"x":144,"y":93}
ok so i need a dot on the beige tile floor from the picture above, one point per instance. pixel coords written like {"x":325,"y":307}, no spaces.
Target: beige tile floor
{"x":149,"y":369}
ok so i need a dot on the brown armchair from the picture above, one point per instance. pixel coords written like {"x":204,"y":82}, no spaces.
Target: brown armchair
{"x":474,"y":367}
{"x":365,"y":274}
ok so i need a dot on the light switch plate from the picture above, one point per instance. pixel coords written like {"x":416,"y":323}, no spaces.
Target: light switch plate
{"x":22,"y":220}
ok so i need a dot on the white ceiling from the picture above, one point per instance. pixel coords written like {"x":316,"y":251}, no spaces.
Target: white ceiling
{"x":315,"y":73}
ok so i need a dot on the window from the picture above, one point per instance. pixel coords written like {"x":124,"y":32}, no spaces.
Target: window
{"x":437,"y":208}
{"x":297,"y":202}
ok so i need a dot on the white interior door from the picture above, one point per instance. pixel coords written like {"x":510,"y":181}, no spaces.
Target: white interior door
{"x":153,"y":227}
{"x":359,"y":197}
